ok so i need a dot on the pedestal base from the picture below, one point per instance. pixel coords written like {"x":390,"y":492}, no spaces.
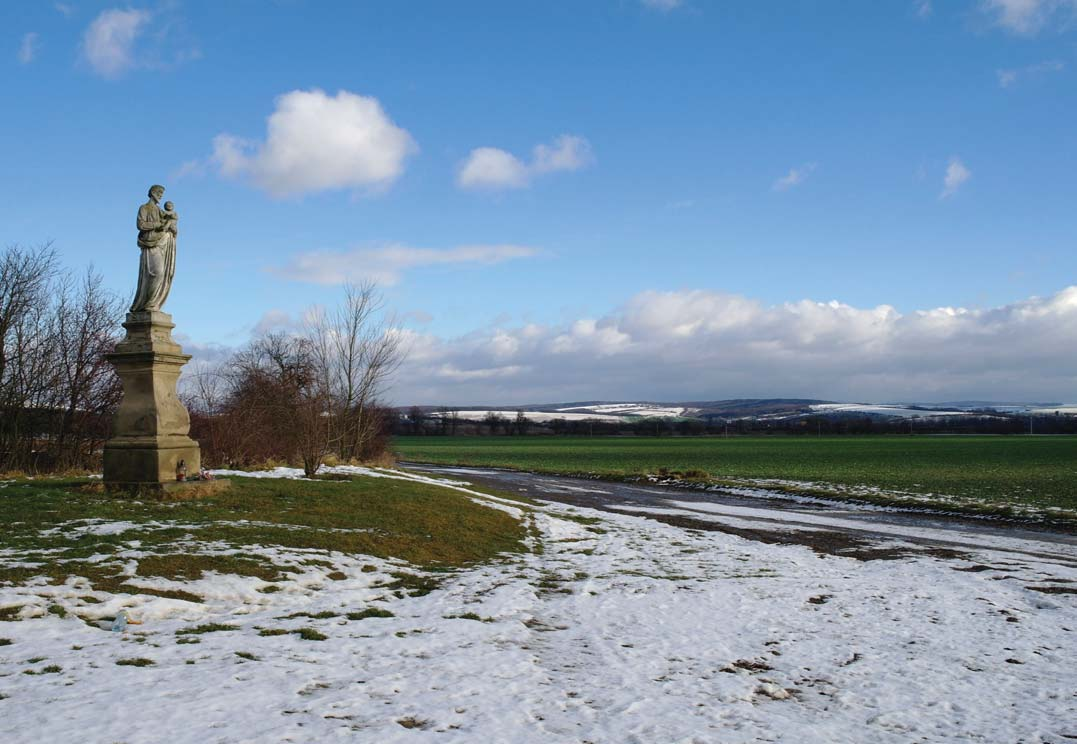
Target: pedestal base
{"x":150,"y":429}
{"x":135,"y":462}
{"x":174,"y":491}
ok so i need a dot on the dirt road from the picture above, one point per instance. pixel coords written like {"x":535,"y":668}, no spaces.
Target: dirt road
{"x":864,"y":532}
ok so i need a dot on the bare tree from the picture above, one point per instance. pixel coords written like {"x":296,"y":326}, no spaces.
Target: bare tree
{"x":417,"y":419}
{"x":57,"y":391}
{"x":89,"y":389}
{"x":356,"y":350}
{"x":25,"y":275}
{"x":307,"y":395}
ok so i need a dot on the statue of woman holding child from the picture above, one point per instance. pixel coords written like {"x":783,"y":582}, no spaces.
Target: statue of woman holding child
{"x":157,"y":231}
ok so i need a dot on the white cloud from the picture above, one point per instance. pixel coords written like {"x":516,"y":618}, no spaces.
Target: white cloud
{"x":704,"y":345}
{"x":567,"y":153}
{"x":108,"y":44}
{"x":64,"y":9}
{"x":794,"y":177}
{"x":386,"y":265}
{"x":956,"y":175}
{"x":924,"y":9}
{"x":274,"y":320}
{"x":699,"y":345}
{"x":28,"y":48}
{"x":493,"y":168}
{"x":1028,"y":17}
{"x":663,"y":5}
{"x":316,"y":142}
{"x":489,"y":167}
{"x":1007,"y":78}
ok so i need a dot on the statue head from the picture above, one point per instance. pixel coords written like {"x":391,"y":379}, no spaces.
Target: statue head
{"x":156,"y":190}
{"x":169,"y":206}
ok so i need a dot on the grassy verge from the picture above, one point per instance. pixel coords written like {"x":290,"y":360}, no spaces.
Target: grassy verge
{"x":268,"y":529}
{"x":996,"y":475}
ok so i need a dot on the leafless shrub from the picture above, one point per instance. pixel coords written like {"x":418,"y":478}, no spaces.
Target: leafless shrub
{"x":301,"y":397}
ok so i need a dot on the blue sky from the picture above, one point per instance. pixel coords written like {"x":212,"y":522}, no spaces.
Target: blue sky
{"x":694,"y":155}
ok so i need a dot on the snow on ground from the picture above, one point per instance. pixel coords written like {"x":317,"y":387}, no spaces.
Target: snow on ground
{"x":532,"y":415}
{"x":1068,"y":409}
{"x":630,"y":409}
{"x":886,"y":410}
{"x":622,"y":629}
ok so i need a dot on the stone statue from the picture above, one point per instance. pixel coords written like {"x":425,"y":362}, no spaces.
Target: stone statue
{"x":157,"y":231}
{"x":151,"y":450}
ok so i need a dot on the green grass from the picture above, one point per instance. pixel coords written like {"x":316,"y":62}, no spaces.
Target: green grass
{"x":138,"y":662}
{"x":427,"y":526}
{"x":207,"y":628}
{"x":369,"y":612}
{"x":994,"y":470}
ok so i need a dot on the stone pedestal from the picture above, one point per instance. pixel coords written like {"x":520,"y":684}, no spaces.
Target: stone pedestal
{"x":150,"y":429}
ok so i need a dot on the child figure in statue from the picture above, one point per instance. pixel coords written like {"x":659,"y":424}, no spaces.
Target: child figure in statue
{"x":171,"y":218}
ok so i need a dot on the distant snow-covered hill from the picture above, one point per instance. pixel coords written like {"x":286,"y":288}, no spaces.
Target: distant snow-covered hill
{"x":760,"y":409}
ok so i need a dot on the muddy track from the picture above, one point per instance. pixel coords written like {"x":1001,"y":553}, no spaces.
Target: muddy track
{"x":851,"y":531}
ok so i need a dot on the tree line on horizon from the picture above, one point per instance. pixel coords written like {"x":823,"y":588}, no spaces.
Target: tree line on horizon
{"x":447,"y":422}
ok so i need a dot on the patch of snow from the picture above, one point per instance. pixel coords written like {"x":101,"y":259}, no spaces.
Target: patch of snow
{"x":630,"y":409}
{"x":630,"y":630}
{"x":887,"y":410}
{"x":540,"y":416}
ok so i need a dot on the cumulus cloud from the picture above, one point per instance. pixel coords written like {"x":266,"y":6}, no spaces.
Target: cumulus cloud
{"x":493,"y":168}
{"x":27,"y":48}
{"x":699,"y":345}
{"x":386,"y":264}
{"x":1028,"y":17}
{"x":317,"y":142}
{"x":108,"y":44}
{"x":794,"y":177}
{"x":956,"y":175}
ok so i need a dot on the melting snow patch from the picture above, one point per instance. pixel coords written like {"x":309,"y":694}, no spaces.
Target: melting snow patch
{"x":620,"y":629}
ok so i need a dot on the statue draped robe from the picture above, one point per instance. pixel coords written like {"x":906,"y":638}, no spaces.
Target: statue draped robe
{"x":158,"y":262}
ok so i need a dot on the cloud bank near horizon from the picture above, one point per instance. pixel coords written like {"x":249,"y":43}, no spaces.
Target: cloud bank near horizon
{"x":703,"y":345}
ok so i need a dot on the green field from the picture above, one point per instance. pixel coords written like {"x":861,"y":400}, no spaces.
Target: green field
{"x":990,"y":473}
